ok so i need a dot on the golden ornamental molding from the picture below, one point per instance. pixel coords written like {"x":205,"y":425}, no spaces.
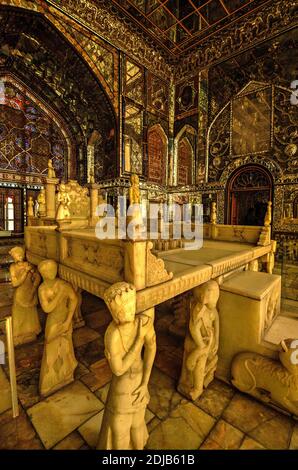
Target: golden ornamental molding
{"x":271,"y":20}
{"x":101,"y":18}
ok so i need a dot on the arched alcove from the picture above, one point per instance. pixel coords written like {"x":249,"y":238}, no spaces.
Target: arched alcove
{"x":248,"y":191}
{"x":185,"y":160}
{"x":184,"y":151}
{"x":157,"y":154}
{"x":43,"y":60}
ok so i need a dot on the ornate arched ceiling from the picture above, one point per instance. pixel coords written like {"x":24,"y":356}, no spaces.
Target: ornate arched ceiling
{"x":38,"y":55}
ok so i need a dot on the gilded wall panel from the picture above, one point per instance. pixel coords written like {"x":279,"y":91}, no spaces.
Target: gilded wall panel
{"x":157,"y":94}
{"x":133,"y":138}
{"x":134,"y":82}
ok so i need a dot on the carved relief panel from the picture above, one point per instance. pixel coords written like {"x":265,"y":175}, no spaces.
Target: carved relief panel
{"x":158,"y":94}
{"x":187,"y":98}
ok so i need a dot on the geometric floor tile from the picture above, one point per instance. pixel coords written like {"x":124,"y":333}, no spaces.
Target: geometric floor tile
{"x":223,"y":436}
{"x":17,"y":433}
{"x":250,"y":444}
{"x":215,"y":398}
{"x":163,"y":395}
{"x":61,"y":413}
{"x":28,"y":388}
{"x":90,"y":430}
{"x":274,"y":434}
{"x":246,"y":414}
{"x":72,"y":442}
{"x":185,"y":428}
{"x":83,"y":336}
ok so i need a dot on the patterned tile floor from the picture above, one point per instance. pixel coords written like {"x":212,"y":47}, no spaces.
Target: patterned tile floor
{"x":221,"y":418}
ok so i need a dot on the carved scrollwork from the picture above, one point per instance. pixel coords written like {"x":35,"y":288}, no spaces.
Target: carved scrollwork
{"x":156,"y":271}
{"x":285,"y":131}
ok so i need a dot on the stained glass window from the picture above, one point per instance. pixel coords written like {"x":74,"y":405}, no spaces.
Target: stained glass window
{"x":28,"y":136}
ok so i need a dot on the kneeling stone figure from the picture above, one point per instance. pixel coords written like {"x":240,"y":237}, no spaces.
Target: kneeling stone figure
{"x":267,"y":379}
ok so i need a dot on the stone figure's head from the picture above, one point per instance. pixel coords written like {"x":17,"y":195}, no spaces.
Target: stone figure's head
{"x":17,"y":253}
{"x":48,"y":269}
{"x":121,"y":301}
{"x":289,"y":355}
{"x":207,"y":294}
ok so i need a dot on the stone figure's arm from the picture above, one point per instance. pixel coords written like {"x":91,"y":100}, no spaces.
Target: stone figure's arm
{"x":72,"y":304}
{"x":149,"y":355}
{"x":48,"y":305}
{"x":36,"y":281}
{"x":121,"y":363}
{"x":216,"y":329}
{"x":17,"y":280}
{"x":195,"y":332}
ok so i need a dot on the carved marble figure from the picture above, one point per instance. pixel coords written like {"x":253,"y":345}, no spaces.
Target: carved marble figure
{"x":268,"y":380}
{"x":135,"y":223}
{"x":134,"y":190}
{"x":30,"y":207}
{"x":51,"y":171}
{"x":201,"y":341}
{"x":41,"y":199}
{"x":64,"y":201}
{"x":123,"y":425}
{"x":59,"y":300}
{"x":25,"y":279}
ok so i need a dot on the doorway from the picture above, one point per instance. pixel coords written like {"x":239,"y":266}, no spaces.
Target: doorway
{"x":249,"y":190}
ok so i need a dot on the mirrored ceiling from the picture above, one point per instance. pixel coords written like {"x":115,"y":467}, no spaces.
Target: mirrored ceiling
{"x":180,"y":24}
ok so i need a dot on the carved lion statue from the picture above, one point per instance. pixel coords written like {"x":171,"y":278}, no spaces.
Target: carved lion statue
{"x":269,"y":380}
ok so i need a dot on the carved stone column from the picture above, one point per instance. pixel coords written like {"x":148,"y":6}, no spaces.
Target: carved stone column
{"x":253,"y":265}
{"x":93,"y":204}
{"x":50,"y":197}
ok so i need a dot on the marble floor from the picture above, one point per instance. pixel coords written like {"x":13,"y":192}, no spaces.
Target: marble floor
{"x":222,"y":418}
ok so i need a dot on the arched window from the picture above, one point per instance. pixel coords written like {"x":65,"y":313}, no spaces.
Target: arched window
{"x":184,"y":162}
{"x":29,"y":134}
{"x":9,"y":214}
{"x":157,"y":152}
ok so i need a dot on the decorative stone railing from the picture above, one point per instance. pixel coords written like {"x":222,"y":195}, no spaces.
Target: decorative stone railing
{"x":106,"y":261}
{"x":255,"y":235}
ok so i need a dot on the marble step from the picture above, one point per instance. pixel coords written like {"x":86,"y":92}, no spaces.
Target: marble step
{"x":283,"y":327}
